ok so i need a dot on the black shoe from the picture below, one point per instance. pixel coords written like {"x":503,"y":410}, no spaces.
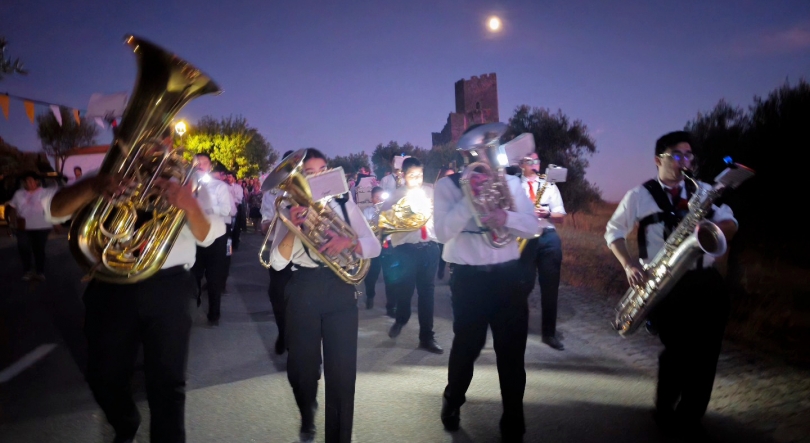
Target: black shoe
{"x":440,"y":274}
{"x":369,"y":303}
{"x":451,"y":417}
{"x":213,"y":320}
{"x":280,"y":345}
{"x":396,"y":328}
{"x":431,"y":346}
{"x":650,"y":327}
{"x":553,"y":342}
{"x":118,"y":439}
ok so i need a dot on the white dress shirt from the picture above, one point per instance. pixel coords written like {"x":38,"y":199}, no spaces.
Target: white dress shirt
{"x":639,"y":203}
{"x":268,"y":209}
{"x":236,"y":197}
{"x":389,"y":184}
{"x":399,"y":238}
{"x":368,"y":242}
{"x":184,"y":249}
{"x":28,"y":205}
{"x":456,"y":228}
{"x":215,"y":199}
{"x":551,"y":197}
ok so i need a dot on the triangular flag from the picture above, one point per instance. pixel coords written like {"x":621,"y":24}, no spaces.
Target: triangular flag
{"x":76,"y":117}
{"x":100,"y":122}
{"x":29,"y":110}
{"x":4,"y":105}
{"x":57,"y":114}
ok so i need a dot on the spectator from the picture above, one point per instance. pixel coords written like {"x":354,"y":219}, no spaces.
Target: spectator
{"x":28,"y":216}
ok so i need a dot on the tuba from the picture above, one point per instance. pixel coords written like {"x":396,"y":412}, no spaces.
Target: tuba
{"x":693,"y":237}
{"x":288,"y":178}
{"x":409,"y":214}
{"x":128,"y":239}
{"x":487,"y":156}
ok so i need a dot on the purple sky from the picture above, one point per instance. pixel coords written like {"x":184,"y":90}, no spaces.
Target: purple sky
{"x":345,"y":78}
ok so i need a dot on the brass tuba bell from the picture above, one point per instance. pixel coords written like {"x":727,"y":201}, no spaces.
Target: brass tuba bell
{"x":128,"y":239}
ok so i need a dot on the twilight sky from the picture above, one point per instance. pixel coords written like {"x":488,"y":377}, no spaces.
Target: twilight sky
{"x":345,"y":76}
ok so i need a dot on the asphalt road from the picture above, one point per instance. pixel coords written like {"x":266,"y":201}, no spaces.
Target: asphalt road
{"x":237,"y":386}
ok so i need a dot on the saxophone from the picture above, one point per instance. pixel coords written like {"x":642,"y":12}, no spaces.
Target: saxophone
{"x":693,"y":237}
{"x":522,"y":242}
{"x":128,"y":240}
{"x":483,"y":145}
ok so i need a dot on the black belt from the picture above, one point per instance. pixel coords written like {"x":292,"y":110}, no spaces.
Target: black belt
{"x":485,"y":268}
{"x":168,"y":272}
{"x":419,"y":245}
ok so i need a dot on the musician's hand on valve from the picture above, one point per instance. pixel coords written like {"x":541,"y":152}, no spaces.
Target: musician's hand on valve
{"x":298,"y":215}
{"x":182,"y":197}
{"x":635,"y":274}
{"x":336,"y":244}
{"x":108,"y":187}
{"x":495,"y":219}
{"x":542,"y":212}
{"x":477,"y":180}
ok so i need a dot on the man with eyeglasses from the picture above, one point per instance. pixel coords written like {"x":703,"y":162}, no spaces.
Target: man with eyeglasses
{"x":690,"y":321}
{"x":545,"y":251}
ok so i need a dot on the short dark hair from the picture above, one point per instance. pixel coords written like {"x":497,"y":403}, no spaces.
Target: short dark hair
{"x":28,"y":174}
{"x":219,"y":167}
{"x":203,"y":154}
{"x":375,"y":190}
{"x":77,"y":167}
{"x":287,"y":153}
{"x":512,"y":170}
{"x":671,"y":139}
{"x":410,"y":162}
{"x":314,"y":153}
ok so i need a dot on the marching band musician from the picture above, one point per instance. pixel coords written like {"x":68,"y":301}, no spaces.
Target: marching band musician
{"x":278,"y":279}
{"x":415,"y":259}
{"x":153,"y":312}
{"x":547,"y":249}
{"x":371,"y":214}
{"x":213,"y":260}
{"x":322,"y":310}
{"x":691,"y":319}
{"x":489,"y":287}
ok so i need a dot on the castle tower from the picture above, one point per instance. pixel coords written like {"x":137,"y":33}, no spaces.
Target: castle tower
{"x":476,"y":102}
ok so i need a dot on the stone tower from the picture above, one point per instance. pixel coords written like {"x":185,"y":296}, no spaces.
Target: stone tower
{"x":476,"y":102}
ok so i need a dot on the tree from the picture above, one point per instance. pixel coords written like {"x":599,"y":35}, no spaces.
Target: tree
{"x":561,"y":142}
{"x":58,"y":139}
{"x":382,"y":154}
{"x":440,"y":157}
{"x":231,"y":142}
{"x":7,"y":65}
{"x":350,"y":163}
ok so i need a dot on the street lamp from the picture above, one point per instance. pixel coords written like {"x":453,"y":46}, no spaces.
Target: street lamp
{"x":180,"y":128}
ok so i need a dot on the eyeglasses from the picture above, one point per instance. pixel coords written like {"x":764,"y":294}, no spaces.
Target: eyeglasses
{"x":415,"y":175}
{"x":531,"y":161}
{"x":679,"y":156}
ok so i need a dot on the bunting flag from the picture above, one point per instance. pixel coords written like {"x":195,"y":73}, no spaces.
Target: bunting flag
{"x":4,"y":104}
{"x":76,"y":117}
{"x":100,"y":122}
{"x":57,"y":114}
{"x":29,"y":110}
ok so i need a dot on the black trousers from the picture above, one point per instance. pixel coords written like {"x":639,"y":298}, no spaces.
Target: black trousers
{"x":373,"y":275}
{"x":691,"y":321}
{"x":32,"y":243}
{"x":413,"y":266}
{"x":385,"y":264}
{"x":121,"y":317}
{"x":237,"y":226}
{"x":548,"y":259}
{"x":278,"y":280}
{"x":212,"y":263}
{"x":442,"y":263}
{"x":497,"y":297}
{"x":322,"y":311}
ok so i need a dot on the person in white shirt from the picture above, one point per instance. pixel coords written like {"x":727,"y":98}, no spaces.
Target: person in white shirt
{"x":371,"y":213}
{"x":490,"y":288}
{"x":278,"y":279}
{"x":415,"y":259}
{"x":213,"y":260}
{"x":238,"y":213}
{"x":153,"y":313}
{"x":32,"y":229}
{"x":546,"y":250}
{"x":393,"y":179}
{"x":321,"y":312}
{"x":688,"y":363}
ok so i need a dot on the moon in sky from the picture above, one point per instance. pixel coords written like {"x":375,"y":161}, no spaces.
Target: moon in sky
{"x":494,"y":24}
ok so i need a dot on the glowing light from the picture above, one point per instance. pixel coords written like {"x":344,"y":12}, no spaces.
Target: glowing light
{"x":503,"y":160}
{"x":385,"y":196}
{"x":180,"y":128}
{"x":205,"y":178}
{"x":494,"y":24}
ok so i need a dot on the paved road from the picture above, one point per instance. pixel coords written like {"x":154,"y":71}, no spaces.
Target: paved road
{"x":599,"y":389}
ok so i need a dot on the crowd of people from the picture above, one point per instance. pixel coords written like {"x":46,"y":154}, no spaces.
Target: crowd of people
{"x":491,"y":272}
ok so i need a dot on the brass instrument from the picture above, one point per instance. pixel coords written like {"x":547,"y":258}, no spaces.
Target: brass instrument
{"x":693,"y":236}
{"x":522,"y":242}
{"x":410,"y":213}
{"x":117,"y":241}
{"x":267,"y":240}
{"x":320,"y":218}
{"x":485,"y":155}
